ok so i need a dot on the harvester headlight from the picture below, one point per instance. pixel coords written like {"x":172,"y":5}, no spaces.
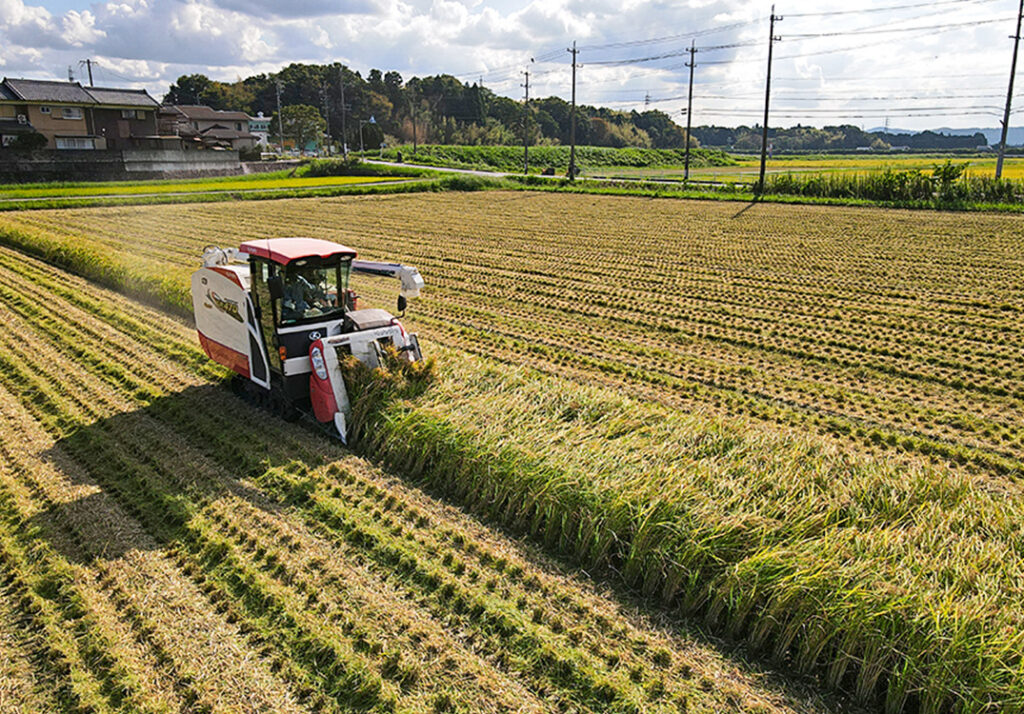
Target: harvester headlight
{"x":318,"y":363}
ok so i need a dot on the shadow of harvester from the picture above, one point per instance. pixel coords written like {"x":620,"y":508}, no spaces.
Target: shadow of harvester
{"x":133,"y":480}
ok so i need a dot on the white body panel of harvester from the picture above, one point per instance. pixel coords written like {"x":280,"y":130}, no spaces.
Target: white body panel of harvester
{"x":230,"y":333}
{"x":226,"y":322}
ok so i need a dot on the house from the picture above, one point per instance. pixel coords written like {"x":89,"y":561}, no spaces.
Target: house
{"x":12,"y":124}
{"x":208,"y":128}
{"x":71,"y":116}
{"x":259,"y":125}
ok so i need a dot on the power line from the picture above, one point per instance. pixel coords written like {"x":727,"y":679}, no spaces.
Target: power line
{"x":878,"y":31}
{"x":680,"y":53}
{"x":753,"y":114}
{"x":890,"y":8}
{"x":848,"y":98}
{"x":874,"y":78}
{"x":836,"y":50}
{"x":668,"y":38}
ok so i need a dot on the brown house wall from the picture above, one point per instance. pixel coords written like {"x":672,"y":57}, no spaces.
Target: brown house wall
{"x":52,"y":124}
{"x":110,"y":124}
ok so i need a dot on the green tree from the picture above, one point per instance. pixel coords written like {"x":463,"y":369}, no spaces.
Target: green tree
{"x":189,"y":89}
{"x":302,"y":124}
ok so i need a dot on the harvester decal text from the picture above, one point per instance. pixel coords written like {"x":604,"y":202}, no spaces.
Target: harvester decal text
{"x":228,"y":307}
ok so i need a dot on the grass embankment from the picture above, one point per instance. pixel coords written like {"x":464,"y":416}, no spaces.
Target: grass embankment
{"x":165,"y":547}
{"x":899,"y":583}
{"x":510,"y":158}
{"x":907,"y":190}
{"x":318,"y":178}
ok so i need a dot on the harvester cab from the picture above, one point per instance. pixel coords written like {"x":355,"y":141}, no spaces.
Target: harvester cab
{"x":280,"y":313}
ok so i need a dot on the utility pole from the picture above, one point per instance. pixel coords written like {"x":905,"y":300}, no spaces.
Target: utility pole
{"x":280,"y":120}
{"x":689,"y":110}
{"x":344,"y":137}
{"x":772,"y":39}
{"x":327,"y":117}
{"x":88,"y":66}
{"x":1009,"y":94}
{"x":572,"y":117}
{"x":415,"y":103}
{"x":526,"y":125}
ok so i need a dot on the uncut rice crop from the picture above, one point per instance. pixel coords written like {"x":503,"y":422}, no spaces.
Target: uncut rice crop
{"x":894,"y":331}
{"x":820,"y":445}
{"x":164,"y":547}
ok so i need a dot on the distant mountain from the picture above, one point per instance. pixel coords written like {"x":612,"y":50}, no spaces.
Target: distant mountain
{"x":1014,"y":137}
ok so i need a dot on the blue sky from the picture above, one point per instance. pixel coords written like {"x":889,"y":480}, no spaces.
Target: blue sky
{"x":907,"y":63}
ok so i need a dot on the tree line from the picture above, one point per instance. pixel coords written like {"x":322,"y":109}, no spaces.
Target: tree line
{"x":441,"y":109}
{"x":438,"y":109}
{"x":835,"y":139}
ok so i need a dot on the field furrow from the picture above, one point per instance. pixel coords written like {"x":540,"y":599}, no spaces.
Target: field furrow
{"x":222,"y":560}
{"x":859,"y":324}
{"x":633,"y":385}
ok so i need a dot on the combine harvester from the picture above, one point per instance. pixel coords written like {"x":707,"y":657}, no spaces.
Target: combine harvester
{"x":280,"y":313}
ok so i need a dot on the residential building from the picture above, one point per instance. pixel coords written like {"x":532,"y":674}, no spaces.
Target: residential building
{"x":208,"y":128}
{"x":71,"y":116}
{"x":259,"y":125}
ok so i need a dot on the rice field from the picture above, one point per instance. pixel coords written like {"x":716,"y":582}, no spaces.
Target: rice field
{"x":164,"y":547}
{"x":800,"y":425}
{"x":248,"y":183}
{"x":747,"y":169}
{"x":895,"y":331}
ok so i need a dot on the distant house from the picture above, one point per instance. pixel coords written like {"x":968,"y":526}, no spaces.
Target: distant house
{"x":260,"y":126}
{"x":208,"y":128}
{"x":71,"y":116}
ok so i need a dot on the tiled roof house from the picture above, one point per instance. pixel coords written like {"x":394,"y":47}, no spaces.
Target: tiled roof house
{"x":210,"y":127}
{"x":71,"y":116}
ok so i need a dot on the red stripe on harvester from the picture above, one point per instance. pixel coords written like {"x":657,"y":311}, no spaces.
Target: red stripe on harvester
{"x":229,"y":274}
{"x":221,"y":354}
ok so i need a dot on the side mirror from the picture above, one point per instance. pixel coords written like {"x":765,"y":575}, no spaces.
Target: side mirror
{"x":402,"y":302}
{"x":276,"y":287}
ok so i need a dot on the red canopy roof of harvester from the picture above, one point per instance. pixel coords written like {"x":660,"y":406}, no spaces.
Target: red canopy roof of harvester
{"x":285,"y":250}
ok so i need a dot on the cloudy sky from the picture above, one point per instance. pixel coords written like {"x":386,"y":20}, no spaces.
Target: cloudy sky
{"x":909,"y":63}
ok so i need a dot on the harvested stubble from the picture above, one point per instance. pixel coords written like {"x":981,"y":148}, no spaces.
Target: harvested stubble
{"x":164,"y":547}
{"x":894,"y":580}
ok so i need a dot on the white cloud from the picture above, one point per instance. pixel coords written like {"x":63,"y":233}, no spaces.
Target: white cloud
{"x":80,"y":28}
{"x":151,"y":42}
{"x":15,"y":14}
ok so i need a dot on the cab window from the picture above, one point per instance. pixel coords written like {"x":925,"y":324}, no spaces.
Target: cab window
{"x":311,"y":290}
